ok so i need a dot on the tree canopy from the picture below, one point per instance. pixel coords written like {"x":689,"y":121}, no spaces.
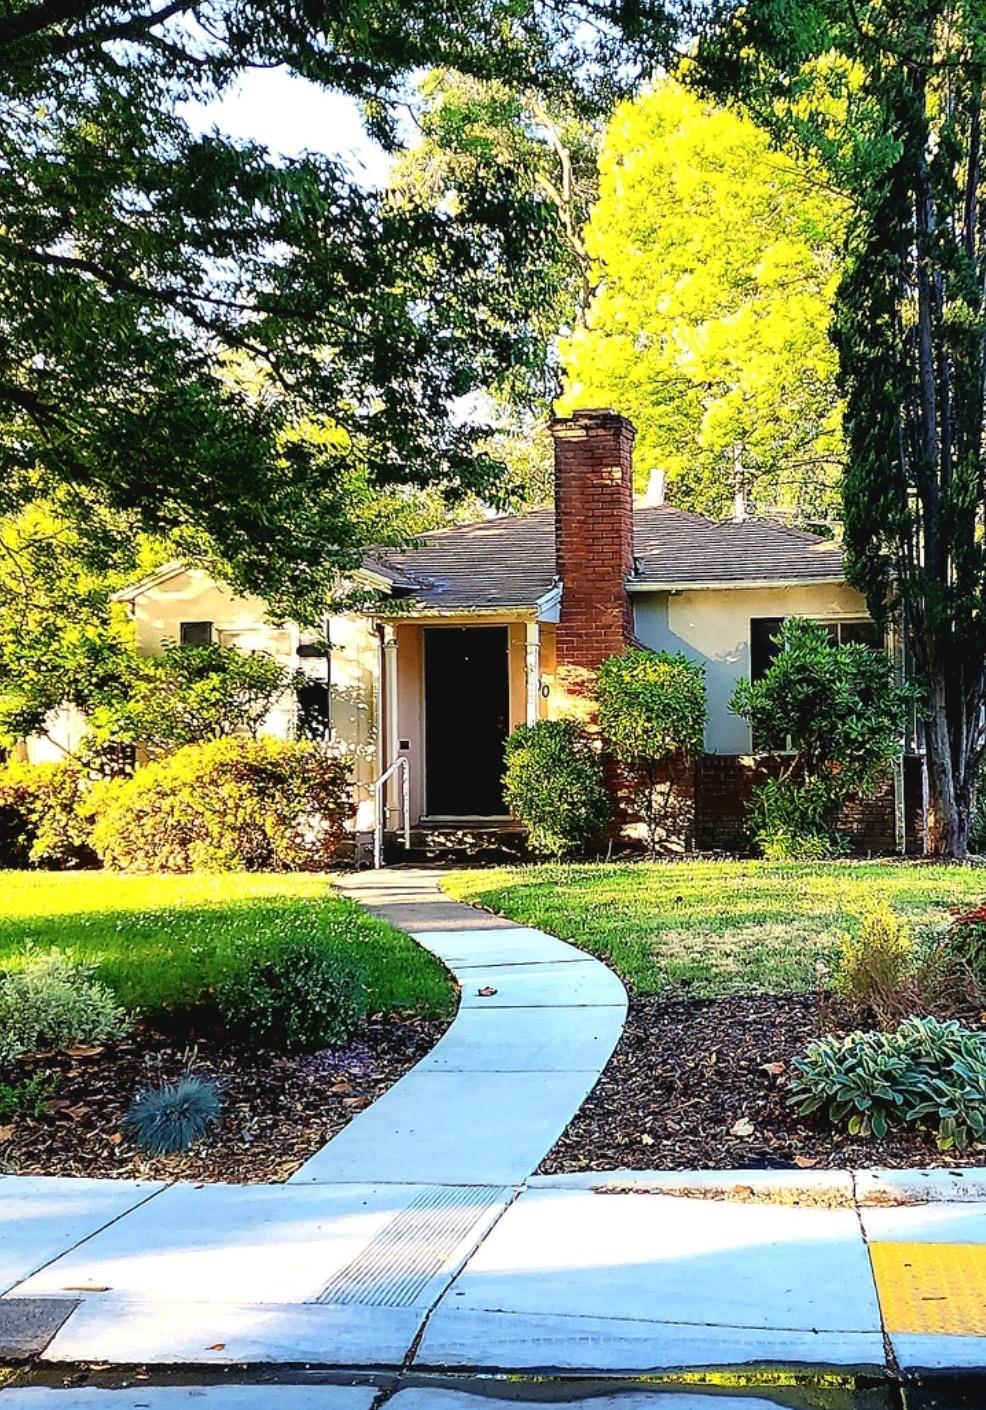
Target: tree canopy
{"x":716,"y":258}
{"x":890,"y":98}
{"x":173,"y":304}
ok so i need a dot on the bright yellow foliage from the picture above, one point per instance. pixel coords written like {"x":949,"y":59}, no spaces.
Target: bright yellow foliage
{"x":717,"y":259}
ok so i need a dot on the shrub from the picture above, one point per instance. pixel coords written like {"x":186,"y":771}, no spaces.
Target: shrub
{"x":190,"y":694}
{"x":165,"y":1120}
{"x":41,"y":818}
{"x":229,"y":805}
{"x":926,"y":1073}
{"x":300,"y":999}
{"x":32,"y":1095}
{"x":877,"y":966}
{"x":966,"y":939}
{"x":790,"y":821}
{"x":895,"y":972}
{"x":838,"y":715}
{"x":652,"y":709}
{"x":54,"y":1003}
{"x":554,"y":784}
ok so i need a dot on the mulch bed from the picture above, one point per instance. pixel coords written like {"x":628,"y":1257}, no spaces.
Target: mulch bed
{"x":276,"y":1111}
{"x":700,"y":1084}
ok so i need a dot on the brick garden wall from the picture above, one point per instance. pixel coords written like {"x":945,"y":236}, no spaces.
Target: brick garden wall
{"x":723,"y":787}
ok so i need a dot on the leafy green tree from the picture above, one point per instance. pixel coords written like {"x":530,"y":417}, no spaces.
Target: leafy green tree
{"x":173,"y":303}
{"x":189,"y":694}
{"x":836,"y":716}
{"x":62,"y":640}
{"x":716,"y":261}
{"x":890,"y":98}
{"x":652,"y":713}
{"x":477,"y":135}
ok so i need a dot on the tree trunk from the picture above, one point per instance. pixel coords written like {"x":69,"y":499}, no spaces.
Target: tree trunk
{"x":949,"y":797}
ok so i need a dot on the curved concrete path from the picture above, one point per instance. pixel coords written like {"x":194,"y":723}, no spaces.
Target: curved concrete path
{"x":537,"y":1022}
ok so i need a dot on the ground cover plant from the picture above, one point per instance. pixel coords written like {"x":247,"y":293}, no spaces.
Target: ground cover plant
{"x":708,"y":928}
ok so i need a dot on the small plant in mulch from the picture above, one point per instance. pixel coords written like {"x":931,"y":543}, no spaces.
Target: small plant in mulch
{"x":891,"y":971}
{"x":51,"y":1001}
{"x":925,"y":1073}
{"x":298,"y":1000}
{"x":171,"y":1118}
{"x":31,"y":1095}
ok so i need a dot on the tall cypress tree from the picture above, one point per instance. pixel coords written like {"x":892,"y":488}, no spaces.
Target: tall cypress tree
{"x":890,"y":93}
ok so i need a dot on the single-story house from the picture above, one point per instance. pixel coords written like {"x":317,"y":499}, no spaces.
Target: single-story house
{"x":485,"y":625}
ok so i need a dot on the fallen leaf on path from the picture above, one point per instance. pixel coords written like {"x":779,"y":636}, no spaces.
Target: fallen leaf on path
{"x":486,"y":993}
{"x":743,"y":1127}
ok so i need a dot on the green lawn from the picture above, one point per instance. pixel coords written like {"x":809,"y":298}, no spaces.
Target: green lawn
{"x":160,"y":941}
{"x":708,"y":928}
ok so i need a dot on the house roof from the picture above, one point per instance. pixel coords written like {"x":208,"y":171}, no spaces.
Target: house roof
{"x":675,"y":548}
{"x":504,"y":562}
{"x":510,"y":562}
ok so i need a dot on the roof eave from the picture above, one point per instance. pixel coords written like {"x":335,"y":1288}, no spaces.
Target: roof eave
{"x":150,"y":580}
{"x":693,"y":585}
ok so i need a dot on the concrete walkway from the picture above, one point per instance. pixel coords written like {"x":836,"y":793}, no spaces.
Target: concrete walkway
{"x":418,"y":1242}
{"x":537,"y":1022}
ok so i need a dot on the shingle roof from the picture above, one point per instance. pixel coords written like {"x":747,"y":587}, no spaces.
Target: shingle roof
{"x":506,"y":562}
{"x":510,"y":562}
{"x":674,"y":547}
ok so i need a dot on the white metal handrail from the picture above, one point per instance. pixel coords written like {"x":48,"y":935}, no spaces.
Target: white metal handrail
{"x":400,"y":765}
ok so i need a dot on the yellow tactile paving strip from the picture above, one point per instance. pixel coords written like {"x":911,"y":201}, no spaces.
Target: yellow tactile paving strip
{"x":931,"y":1288}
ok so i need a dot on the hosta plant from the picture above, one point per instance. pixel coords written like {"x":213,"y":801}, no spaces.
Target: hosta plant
{"x":168,"y":1119}
{"x":925,"y":1073}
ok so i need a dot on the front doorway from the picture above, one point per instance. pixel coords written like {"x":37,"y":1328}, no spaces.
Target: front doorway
{"x":467,"y":718}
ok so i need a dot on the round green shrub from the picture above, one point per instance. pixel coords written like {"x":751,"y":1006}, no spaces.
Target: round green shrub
{"x":554,"y":784}
{"x":299,"y":999}
{"x":652,"y":711}
{"x":232,"y":804}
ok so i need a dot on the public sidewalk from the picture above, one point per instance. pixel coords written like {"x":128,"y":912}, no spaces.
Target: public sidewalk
{"x":418,"y":1241}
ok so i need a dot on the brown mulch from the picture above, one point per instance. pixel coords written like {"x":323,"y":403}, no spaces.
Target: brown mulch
{"x":276,"y":1111}
{"x":700,"y":1084}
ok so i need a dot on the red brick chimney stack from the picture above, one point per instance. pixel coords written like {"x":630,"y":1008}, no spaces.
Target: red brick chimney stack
{"x":593,"y":538}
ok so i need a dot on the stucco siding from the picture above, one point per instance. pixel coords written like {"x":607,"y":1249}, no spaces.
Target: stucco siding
{"x":712,"y":626}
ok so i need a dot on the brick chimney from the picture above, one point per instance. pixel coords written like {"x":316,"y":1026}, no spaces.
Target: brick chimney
{"x":593,"y":540}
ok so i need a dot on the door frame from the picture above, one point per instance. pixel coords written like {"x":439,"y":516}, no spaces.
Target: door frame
{"x":426,"y":815}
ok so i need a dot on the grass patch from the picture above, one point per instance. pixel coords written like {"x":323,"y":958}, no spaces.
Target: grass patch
{"x":713,"y":928}
{"x":161,"y":942}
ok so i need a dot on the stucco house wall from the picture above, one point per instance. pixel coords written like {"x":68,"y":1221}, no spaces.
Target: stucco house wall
{"x":192,"y":596}
{"x":712,"y":626}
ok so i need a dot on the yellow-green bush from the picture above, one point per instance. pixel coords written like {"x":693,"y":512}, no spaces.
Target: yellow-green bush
{"x":876,"y":965}
{"x":40,"y":818}
{"x":232,"y":804}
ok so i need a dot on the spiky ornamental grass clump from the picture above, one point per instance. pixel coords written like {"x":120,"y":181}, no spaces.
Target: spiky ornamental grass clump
{"x":168,"y":1119}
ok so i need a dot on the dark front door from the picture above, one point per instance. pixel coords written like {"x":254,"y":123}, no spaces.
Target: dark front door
{"x":466,"y":720}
